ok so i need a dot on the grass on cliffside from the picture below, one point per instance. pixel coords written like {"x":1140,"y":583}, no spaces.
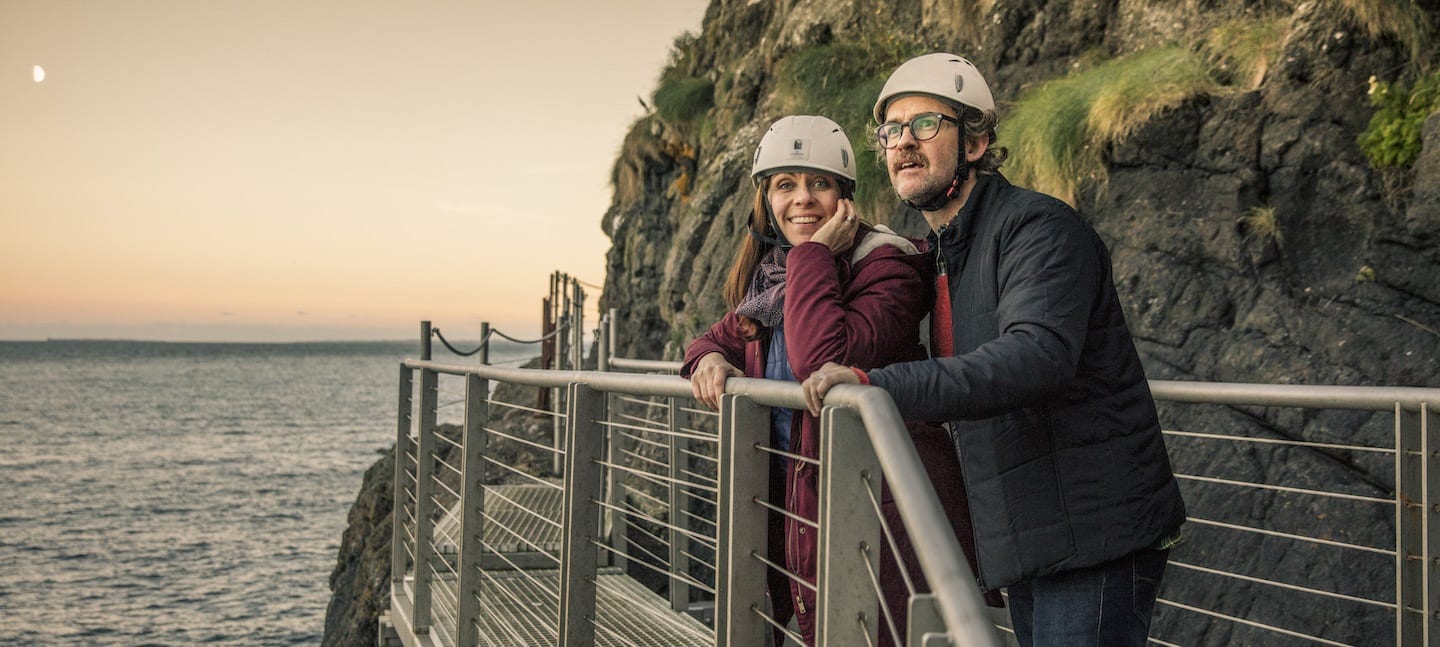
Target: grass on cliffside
{"x":1058,"y":131}
{"x":1245,"y":49}
{"x":1403,"y":19}
{"x":841,"y":80}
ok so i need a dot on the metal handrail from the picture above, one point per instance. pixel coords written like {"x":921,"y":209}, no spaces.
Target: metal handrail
{"x":957,"y":598}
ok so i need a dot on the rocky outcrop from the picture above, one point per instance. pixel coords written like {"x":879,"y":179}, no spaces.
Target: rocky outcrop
{"x":360,"y":583}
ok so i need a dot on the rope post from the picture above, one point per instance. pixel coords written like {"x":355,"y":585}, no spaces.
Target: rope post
{"x":425,"y":340}
{"x":484,"y":343}
{"x":579,"y":324}
{"x":602,"y":344}
{"x":610,"y":335}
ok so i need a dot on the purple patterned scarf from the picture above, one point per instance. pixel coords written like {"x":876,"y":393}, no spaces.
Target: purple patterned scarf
{"x":765,"y":300}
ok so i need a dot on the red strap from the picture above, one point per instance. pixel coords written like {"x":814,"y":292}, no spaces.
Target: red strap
{"x":864,"y":379}
{"x":942,"y":335}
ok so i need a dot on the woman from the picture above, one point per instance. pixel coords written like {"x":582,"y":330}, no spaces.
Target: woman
{"x":810,"y":285}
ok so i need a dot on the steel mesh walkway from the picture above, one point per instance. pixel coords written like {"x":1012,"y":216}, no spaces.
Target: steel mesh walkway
{"x":522,"y":610}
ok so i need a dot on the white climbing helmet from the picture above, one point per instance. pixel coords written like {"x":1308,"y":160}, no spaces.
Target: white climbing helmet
{"x":804,"y":143}
{"x":946,"y":76}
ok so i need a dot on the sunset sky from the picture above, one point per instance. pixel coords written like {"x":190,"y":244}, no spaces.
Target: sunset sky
{"x":227,"y":170}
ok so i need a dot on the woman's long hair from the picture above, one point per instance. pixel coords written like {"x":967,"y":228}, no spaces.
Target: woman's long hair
{"x":751,"y":249}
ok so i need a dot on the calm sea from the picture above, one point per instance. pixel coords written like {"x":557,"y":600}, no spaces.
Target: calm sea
{"x":183,"y":494}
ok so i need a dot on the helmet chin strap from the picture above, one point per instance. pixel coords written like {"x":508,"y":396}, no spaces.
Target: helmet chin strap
{"x":942,"y":198}
{"x":778,"y":242}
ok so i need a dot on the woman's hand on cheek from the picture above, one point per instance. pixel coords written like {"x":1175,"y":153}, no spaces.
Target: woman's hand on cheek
{"x":838,"y":233}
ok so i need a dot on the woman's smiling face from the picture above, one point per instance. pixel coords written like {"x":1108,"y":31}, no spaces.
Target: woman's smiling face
{"x":802,"y":203}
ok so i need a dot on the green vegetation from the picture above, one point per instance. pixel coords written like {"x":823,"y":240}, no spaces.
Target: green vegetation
{"x":841,"y":80}
{"x":1261,"y":223}
{"x":1059,"y":131}
{"x":680,"y":100}
{"x":1393,"y":137}
{"x":1244,"y":49}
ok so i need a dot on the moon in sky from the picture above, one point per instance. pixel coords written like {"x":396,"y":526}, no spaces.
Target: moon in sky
{"x":39,"y":73}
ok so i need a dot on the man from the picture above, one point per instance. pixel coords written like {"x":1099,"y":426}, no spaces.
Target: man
{"x":1072,"y":498}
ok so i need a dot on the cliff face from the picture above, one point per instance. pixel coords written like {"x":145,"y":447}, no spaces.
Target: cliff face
{"x":1344,"y":295}
{"x":1252,"y":239}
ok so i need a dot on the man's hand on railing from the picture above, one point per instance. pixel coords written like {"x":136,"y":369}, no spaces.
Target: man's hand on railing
{"x":820,"y":382}
{"x":707,"y":383}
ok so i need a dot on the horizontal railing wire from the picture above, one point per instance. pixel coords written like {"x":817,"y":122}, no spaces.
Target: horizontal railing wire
{"x":523,"y":474}
{"x":651,"y":567}
{"x":889,"y":535}
{"x":1285,"y":535}
{"x":552,"y":591}
{"x":638,"y":423}
{"x":656,"y":478}
{"x":1284,"y":488}
{"x":789,"y":574}
{"x":785,"y":513}
{"x":495,"y":492}
{"x":709,"y":541}
{"x":519,"y":537}
{"x":521,"y":407}
{"x":1249,"y":623}
{"x":1280,"y":441}
{"x":870,"y":570}
{"x":1291,"y":587}
{"x":640,"y":401}
{"x":528,"y":443}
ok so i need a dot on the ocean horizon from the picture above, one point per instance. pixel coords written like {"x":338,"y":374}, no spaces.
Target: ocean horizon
{"x":183,"y":493}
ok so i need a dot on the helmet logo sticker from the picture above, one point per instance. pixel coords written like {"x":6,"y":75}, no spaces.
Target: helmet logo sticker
{"x":800,"y":149}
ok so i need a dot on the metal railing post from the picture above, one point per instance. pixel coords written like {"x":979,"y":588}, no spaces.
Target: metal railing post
{"x":425,"y":336}
{"x":616,"y":524}
{"x":850,"y":542}
{"x":744,"y":476}
{"x":425,"y":498}
{"x":679,"y":542}
{"x":472,"y":503}
{"x":580,"y":522}
{"x":1409,"y":531}
{"x":1430,"y":435}
{"x":403,"y":448}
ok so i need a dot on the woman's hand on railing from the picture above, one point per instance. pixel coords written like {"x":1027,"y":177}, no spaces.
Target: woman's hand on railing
{"x":707,"y":382}
{"x":820,"y":382}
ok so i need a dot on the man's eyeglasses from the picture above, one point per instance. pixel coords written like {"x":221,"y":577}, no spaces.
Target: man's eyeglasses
{"x":923,"y":126}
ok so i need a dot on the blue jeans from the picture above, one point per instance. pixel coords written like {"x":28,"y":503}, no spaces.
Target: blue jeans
{"x":1107,"y":605}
